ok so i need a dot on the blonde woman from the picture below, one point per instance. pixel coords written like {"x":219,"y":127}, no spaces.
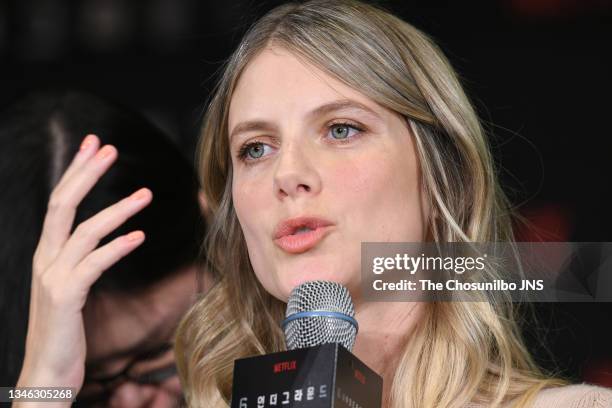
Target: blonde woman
{"x":342,"y":118}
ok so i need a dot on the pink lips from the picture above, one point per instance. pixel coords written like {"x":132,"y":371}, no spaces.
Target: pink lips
{"x":286,"y":235}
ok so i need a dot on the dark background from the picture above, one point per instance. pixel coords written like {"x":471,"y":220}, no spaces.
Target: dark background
{"x":538,"y":72}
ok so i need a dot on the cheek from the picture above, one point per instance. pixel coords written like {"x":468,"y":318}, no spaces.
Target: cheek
{"x":380,"y":195}
{"x":252,"y":203}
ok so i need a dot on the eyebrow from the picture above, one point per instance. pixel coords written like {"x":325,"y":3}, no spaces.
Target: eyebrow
{"x":344,"y":104}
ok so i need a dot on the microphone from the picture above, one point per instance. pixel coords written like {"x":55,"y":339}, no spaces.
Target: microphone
{"x":320,"y":312}
{"x":318,"y":370}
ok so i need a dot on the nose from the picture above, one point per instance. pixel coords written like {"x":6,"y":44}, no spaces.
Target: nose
{"x":296,"y":173}
{"x":132,"y":395}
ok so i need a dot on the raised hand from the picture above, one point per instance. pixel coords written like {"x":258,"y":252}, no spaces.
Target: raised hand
{"x":65,"y":266}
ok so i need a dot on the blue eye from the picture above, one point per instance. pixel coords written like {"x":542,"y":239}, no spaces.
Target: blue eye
{"x":342,"y":131}
{"x":253,"y":150}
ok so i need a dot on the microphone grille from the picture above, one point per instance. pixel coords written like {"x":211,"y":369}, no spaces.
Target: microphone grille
{"x":324,"y":298}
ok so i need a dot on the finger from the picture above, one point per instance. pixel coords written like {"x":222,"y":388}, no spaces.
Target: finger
{"x":89,"y":233}
{"x":52,"y":237}
{"x":65,"y":199}
{"x":88,"y":148}
{"x":94,"y":264}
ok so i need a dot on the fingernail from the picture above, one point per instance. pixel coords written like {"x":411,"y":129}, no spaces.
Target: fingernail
{"x":87,"y":142}
{"x":139,"y":195}
{"x":104,"y":152}
{"x":134,"y":236}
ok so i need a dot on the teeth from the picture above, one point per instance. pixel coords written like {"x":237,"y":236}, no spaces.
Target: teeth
{"x":301,"y":230}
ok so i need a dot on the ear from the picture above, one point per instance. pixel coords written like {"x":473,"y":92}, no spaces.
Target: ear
{"x":203,"y":204}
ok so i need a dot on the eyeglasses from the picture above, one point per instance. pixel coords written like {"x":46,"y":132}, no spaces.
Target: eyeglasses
{"x":97,"y":390}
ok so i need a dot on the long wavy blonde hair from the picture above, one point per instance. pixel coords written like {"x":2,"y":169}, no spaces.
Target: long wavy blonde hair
{"x":461,"y":352}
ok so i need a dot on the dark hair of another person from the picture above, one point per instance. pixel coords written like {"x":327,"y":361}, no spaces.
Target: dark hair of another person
{"x":39,"y":136}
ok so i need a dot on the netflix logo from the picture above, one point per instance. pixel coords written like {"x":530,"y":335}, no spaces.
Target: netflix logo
{"x":285,"y":366}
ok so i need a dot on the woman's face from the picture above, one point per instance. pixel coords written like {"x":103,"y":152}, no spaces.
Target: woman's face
{"x":305,"y":145}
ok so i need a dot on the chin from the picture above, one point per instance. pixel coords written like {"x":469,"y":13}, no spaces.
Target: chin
{"x":311,"y":266}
